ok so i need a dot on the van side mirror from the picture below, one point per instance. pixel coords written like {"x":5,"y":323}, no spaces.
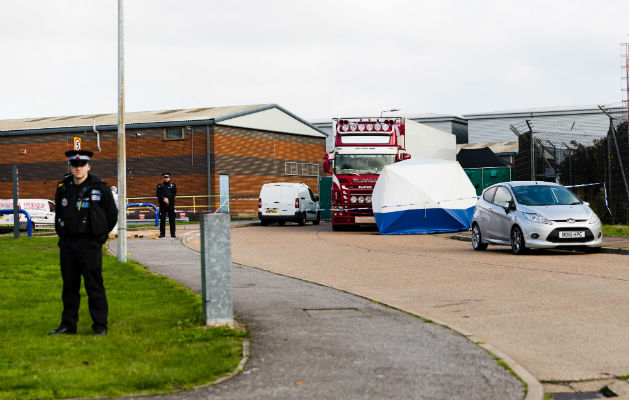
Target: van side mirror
{"x":316,"y":197}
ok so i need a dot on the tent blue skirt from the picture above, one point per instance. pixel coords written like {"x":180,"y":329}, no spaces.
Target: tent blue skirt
{"x":424,"y":221}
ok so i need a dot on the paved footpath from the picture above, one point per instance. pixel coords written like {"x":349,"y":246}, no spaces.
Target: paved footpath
{"x":313,"y":342}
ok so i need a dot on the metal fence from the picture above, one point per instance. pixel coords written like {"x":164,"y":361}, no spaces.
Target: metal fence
{"x":580,"y":157}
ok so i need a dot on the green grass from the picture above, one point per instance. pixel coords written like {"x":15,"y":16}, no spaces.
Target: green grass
{"x":615,"y":230}
{"x":156,"y":341}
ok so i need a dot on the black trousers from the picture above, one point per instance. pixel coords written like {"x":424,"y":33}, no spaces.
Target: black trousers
{"x":82,"y":257}
{"x":170,"y":210}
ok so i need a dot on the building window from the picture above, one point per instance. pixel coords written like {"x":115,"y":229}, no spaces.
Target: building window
{"x":174,"y":133}
{"x":301,"y":169}
{"x":290,"y":168}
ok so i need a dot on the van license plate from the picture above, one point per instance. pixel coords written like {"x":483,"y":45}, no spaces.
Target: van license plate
{"x":364,"y":220}
{"x":572,"y":234}
{"x":271,"y":212}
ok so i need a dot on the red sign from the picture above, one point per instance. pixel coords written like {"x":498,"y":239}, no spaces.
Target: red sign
{"x":141,"y":216}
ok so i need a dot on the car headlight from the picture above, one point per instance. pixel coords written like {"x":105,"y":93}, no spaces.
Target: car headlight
{"x":537,"y":218}
{"x":594,"y":219}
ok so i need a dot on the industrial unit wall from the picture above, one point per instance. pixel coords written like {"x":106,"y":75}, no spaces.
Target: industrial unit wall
{"x":250,"y":157}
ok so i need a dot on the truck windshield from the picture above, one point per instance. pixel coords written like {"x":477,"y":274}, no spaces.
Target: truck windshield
{"x":543,"y":195}
{"x":362,"y":163}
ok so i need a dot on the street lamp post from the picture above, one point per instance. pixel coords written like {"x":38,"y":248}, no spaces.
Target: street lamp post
{"x":392,"y":110}
{"x":122,"y":158}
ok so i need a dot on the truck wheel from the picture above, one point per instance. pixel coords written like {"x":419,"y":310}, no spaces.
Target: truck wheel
{"x":264,"y":222}
{"x":337,"y":228}
{"x":302,"y":220}
{"x":316,"y":220}
{"x":281,"y":223}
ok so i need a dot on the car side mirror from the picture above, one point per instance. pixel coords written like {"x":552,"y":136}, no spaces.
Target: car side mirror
{"x":586,"y":203}
{"x":508,"y":206}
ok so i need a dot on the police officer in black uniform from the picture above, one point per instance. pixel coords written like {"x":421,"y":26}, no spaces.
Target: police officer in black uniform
{"x":165,"y":193}
{"x":85,"y":213}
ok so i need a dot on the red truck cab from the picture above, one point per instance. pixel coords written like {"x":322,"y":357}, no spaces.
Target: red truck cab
{"x":363,"y":146}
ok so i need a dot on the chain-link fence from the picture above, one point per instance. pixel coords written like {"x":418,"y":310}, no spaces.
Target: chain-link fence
{"x":572,"y":157}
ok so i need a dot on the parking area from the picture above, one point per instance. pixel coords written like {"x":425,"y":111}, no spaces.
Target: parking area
{"x":561,"y":315}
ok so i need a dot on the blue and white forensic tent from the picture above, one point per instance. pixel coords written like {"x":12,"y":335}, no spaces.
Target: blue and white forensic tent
{"x":421,"y":196}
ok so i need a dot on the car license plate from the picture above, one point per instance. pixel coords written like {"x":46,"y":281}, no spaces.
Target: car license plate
{"x":271,"y":212}
{"x":364,"y":220}
{"x":572,"y":234}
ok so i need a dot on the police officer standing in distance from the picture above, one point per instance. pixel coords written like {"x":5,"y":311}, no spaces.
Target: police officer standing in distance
{"x":165,"y":193}
{"x":85,"y":213}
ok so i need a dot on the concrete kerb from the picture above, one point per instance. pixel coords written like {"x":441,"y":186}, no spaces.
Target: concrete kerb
{"x":608,"y":250}
{"x":534,"y":389}
{"x":246,"y":352}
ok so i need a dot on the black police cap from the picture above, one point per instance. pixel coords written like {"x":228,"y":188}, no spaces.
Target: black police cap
{"x":79,"y":155}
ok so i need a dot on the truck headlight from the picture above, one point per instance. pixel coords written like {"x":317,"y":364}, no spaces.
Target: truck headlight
{"x":537,"y":218}
{"x":353,"y":199}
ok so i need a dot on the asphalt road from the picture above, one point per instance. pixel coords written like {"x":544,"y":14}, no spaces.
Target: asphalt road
{"x":313,"y":342}
{"x":562,"y":316}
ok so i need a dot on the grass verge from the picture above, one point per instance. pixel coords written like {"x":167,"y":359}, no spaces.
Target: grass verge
{"x":156,"y":341}
{"x":615,"y":230}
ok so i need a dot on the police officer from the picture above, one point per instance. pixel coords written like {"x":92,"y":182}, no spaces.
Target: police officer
{"x":165,"y":193}
{"x":85,"y":213}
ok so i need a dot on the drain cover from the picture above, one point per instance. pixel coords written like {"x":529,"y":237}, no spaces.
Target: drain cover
{"x":335,"y":313}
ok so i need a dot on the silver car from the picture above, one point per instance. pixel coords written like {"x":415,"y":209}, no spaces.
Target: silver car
{"x":530,"y":215}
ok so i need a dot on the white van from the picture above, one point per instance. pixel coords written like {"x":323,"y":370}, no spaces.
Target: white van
{"x":282,"y":202}
{"x":42,"y":212}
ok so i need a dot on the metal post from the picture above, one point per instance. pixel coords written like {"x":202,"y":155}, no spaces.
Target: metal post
{"x":16,"y":206}
{"x":122,"y":157}
{"x":614,"y":135}
{"x":532,"y":149}
{"x":216,"y":270}
{"x":208,"y":176}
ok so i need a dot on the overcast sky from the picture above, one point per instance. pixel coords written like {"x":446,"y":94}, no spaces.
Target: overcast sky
{"x":318,"y":59}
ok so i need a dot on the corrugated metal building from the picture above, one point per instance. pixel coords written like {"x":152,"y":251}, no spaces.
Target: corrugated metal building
{"x":250,"y":145}
{"x":495,"y":126}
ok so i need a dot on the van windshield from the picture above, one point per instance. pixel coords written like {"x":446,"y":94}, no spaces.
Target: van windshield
{"x":362,"y":163}
{"x":544,"y":195}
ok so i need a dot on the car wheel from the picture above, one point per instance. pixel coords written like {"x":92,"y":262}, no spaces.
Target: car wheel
{"x":518,"y":241}
{"x":591,"y":250}
{"x":477,"y":243}
{"x":302,"y":220}
{"x":264,"y":222}
{"x":316,"y":220}
{"x":281,"y":223}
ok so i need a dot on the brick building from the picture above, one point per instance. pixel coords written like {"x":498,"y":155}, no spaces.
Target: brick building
{"x":209,"y":151}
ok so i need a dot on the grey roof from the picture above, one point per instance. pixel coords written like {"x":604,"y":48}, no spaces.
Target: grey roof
{"x":496,"y":147}
{"x":141,"y":117}
{"x":193,"y":116}
{"x":545,"y":111}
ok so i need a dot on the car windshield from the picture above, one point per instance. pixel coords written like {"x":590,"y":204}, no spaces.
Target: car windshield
{"x":362,"y":163}
{"x":544,"y":195}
